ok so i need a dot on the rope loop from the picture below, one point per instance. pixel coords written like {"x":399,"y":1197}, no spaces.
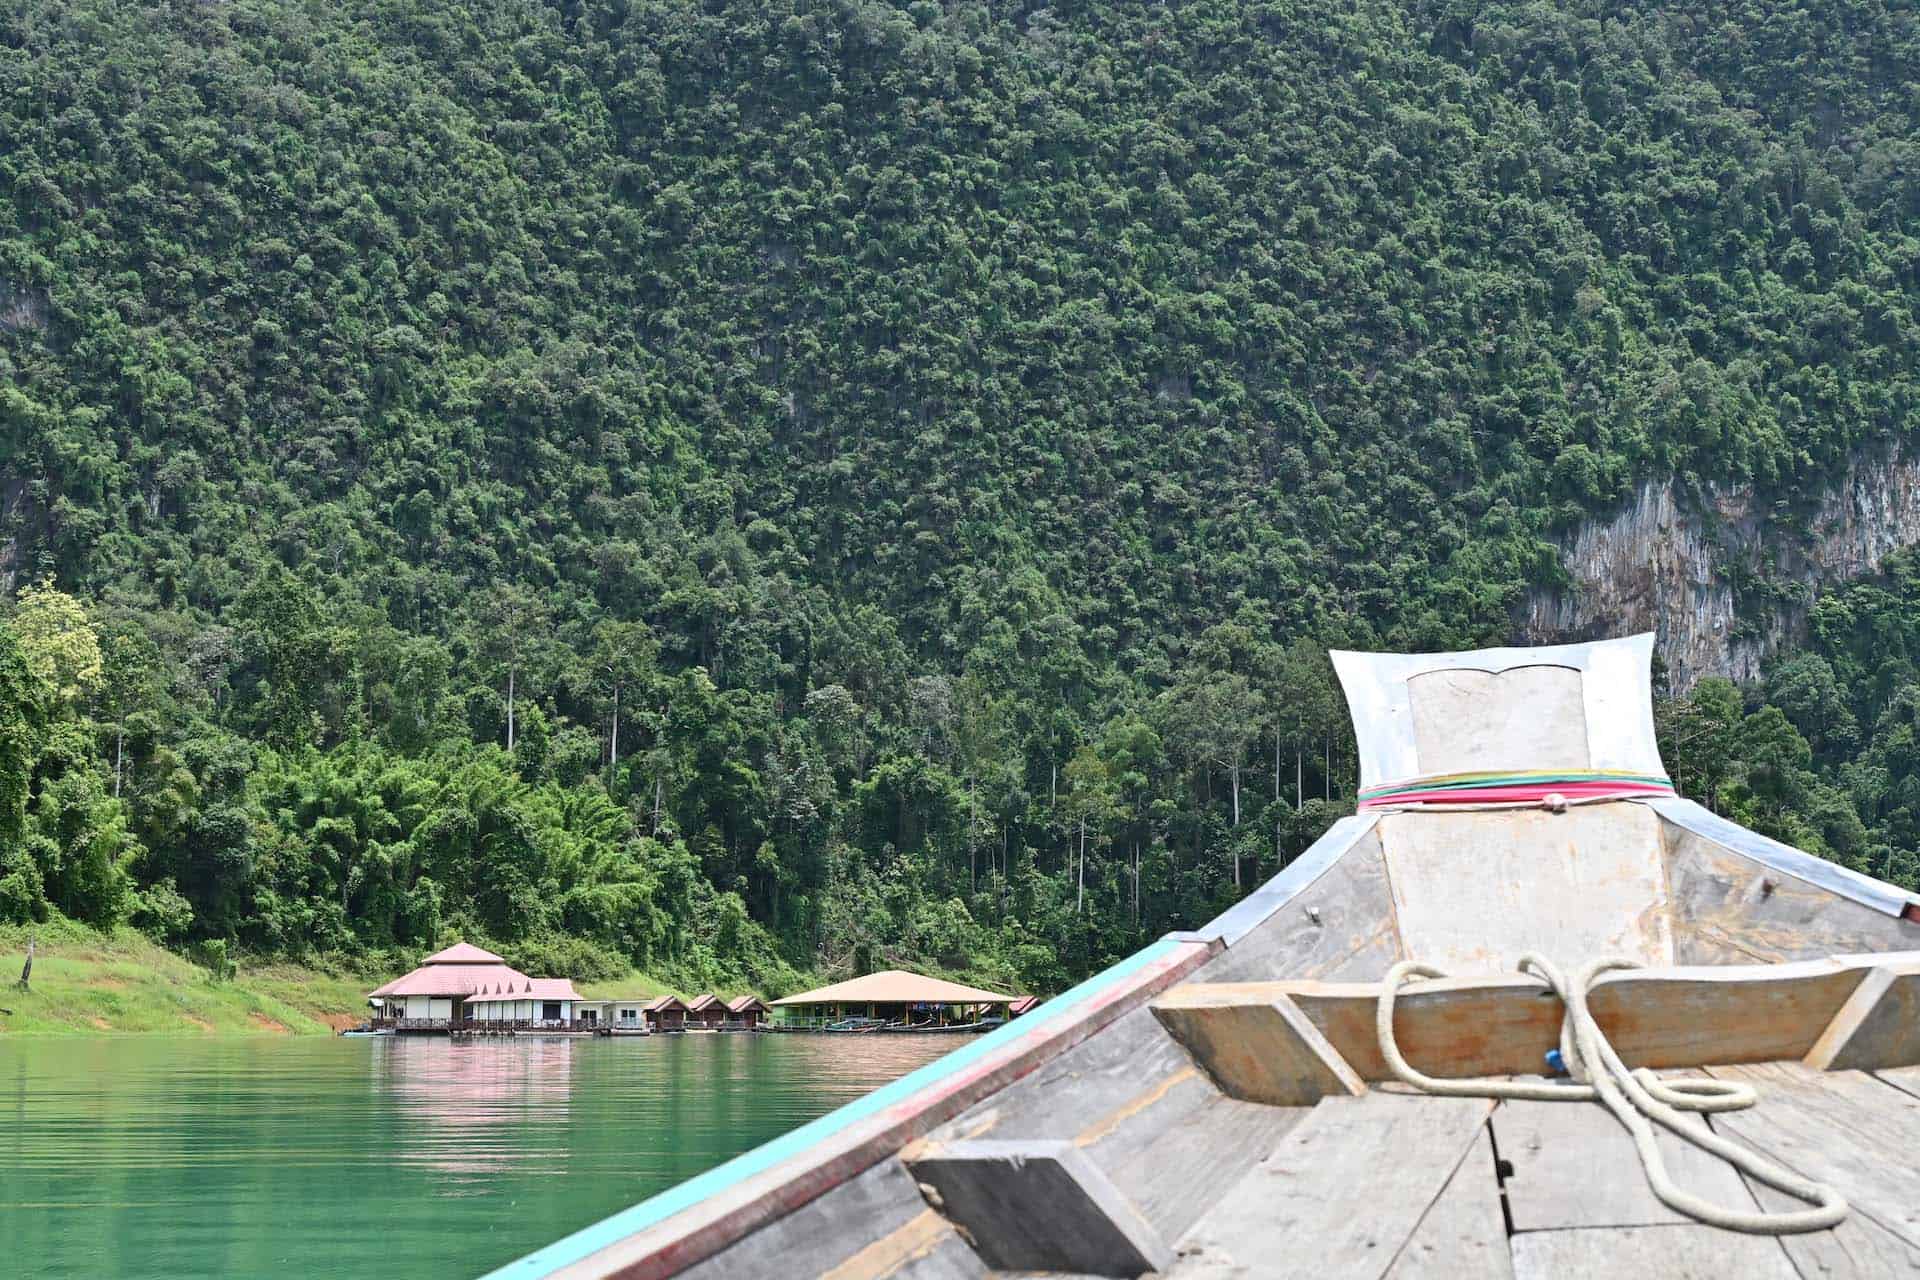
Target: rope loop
{"x":1638,"y":1099}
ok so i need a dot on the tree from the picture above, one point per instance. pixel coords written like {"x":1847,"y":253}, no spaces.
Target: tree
{"x":23,"y":713}
{"x":294,"y":653}
{"x":1304,"y":705}
{"x":623,"y":661}
{"x":1807,"y":693}
{"x":58,"y":641}
{"x":1090,"y":805}
{"x":1699,"y":738}
{"x":1211,"y":719}
{"x":131,"y":681}
{"x":515,"y":622}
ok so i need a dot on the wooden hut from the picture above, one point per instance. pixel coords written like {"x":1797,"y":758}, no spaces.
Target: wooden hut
{"x":706,"y":1012}
{"x":747,"y":1012}
{"x":667,"y":1013}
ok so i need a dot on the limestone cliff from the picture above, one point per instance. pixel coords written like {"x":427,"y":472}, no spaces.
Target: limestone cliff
{"x":1670,"y":562}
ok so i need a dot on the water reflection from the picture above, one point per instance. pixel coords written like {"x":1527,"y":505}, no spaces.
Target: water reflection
{"x":475,"y":1106}
{"x":190,"y":1157}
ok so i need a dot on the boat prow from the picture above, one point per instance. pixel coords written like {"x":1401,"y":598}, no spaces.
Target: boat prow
{"x":1222,"y":1103}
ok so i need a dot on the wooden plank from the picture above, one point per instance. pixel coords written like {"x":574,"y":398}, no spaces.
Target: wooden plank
{"x":884,"y":1202}
{"x":1340,"y":1196}
{"x":703,"y":1216}
{"x":1146,"y":1115}
{"x":1669,"y":1253}
{"x":1340,"y":926}
{"x":1878,"y":1026}
{"x":1574,"y":1165}
{"x":1905,"y":1079}
{"x":1726,"y":906}
{"x":926,"y":1247}
{"x":1473,"y":892}
{"x":1174,"y":1174}
{"x":1039,"y":1206}
{"x":1473,"y":1026}
{"x":1857,"y":1249}
{"x":1260,"y":1052}
{"x":1465,"y":1232}
{"x":1450,"y":1026}
{"x":1685,"y":1017}
{"x":1085,"y":1085}
{"x":1844,"y":1128}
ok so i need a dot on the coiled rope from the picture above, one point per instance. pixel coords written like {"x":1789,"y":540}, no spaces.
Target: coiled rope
{"x":1636,"y":1099}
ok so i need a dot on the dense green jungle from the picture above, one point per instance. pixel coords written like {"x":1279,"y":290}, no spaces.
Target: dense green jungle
{"x":748,"y":488}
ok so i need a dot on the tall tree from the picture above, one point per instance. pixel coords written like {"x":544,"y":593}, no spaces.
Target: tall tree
{"x":623,"y":662}
{"x":515,"y":622}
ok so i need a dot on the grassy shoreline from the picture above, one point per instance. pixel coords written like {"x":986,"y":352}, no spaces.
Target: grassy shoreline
{"x":123,"y":983}
{"x":88,"y":983}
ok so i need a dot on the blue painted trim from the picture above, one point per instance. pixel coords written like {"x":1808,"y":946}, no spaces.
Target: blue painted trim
{"x":1769,"y":852}
{"x":650,"y":1212}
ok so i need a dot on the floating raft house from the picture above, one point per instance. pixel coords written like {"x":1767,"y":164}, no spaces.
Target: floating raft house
{"x":1235,"y":1101}
{"x":896,"y":998}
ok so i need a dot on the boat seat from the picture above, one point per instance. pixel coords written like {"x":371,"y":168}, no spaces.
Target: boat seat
{"x":1293,"y":1043}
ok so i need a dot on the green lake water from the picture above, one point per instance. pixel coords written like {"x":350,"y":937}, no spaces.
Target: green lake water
{"x":393,"y":1157}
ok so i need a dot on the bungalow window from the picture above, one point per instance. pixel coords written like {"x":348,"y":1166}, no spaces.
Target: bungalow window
{"x":550,"y":1011}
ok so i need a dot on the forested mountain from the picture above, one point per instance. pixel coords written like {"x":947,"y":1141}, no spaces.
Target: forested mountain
{"x":745,"y":485}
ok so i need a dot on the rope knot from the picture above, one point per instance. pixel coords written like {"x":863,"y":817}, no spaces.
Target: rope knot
{"x":1638,"y":1099}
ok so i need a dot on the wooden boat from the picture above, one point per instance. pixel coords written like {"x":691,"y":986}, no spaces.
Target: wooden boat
{"x":1222,"y":1103}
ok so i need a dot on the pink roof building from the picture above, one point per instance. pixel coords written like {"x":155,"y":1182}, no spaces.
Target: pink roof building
{"x":466,"y":972}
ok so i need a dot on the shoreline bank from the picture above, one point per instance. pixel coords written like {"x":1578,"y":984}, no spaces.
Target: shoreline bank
{"x":125,"y":984}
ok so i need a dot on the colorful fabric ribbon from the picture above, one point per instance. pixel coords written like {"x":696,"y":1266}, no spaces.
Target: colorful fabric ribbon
{"x":1570,"y":786}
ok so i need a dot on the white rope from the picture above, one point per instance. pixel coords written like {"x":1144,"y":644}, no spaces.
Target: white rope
{"x":1634,"y":1097}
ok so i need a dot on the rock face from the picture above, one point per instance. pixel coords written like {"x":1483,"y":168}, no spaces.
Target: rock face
{"x":1668,"y":563}
{"x":22,"y":307}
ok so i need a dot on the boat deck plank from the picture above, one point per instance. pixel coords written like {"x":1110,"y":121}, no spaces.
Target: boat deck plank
{"x":1905,"y":1079}
{"x":894,"y":1240}
{"x":1670,"y":1252}
{"x":1857,"y":1249}
{"x":1340,"y":1195}
{"x":926,"y":1247}
{"x":1085,"y":1085}
{"x":1174,"y":1172}
{"x":1844,"y":1128}
{"x":1575,"y":1166}
{"x":1465,"y":1232}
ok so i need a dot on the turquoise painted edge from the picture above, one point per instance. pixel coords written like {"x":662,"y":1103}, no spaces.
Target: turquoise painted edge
{"x":637,"y":1218}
